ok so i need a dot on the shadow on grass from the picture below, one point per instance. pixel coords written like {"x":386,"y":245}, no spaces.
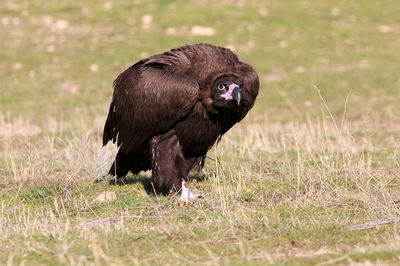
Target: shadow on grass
{"x":147,"y":183}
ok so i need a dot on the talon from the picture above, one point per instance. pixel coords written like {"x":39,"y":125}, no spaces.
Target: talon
{"x":186,"y":194}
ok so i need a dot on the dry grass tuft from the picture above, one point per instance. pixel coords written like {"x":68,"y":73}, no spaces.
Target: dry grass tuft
{"x":262,"y":182}
{"x":17,"y":128}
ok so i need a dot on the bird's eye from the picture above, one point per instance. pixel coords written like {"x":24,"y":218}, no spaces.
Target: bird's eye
{"x":221,"y":87}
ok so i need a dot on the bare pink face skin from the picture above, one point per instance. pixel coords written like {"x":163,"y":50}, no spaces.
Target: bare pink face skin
{"x":228,"y":95}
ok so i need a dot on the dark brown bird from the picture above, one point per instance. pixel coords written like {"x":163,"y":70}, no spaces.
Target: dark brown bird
{"x":168,"y":110}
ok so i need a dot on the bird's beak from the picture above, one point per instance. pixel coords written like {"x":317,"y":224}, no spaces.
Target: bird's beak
{"x":236,"y":95}
{"x":233,"y":93}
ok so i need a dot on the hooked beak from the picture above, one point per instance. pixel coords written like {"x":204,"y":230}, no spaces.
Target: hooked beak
{"x":236,"y":95}
{"x":233,"y":93}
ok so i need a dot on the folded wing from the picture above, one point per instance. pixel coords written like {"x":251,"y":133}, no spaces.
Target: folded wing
{"x":149,"y":98}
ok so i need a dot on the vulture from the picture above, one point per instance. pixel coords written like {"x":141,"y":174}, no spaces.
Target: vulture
{"x":168,"y":110}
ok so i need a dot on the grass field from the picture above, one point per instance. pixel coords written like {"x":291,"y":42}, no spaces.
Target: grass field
{"x":317,"y":153}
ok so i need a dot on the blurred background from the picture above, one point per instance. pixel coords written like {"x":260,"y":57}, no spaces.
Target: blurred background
{"x":281,"y":186}
{"x":58,"y":59}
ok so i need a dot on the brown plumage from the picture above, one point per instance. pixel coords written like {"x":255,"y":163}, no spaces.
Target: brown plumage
{"x":168,"y":110}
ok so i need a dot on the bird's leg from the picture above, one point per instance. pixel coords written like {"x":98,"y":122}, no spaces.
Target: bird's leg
{"x":164,"y":173}
{"x":120,"y":166}
{"x":169,"y":166}
{"x":134,"y":162}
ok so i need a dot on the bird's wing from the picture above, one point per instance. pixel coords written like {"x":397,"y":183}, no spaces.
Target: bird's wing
{"x":250,"y":88}
{"x":149,"y":98}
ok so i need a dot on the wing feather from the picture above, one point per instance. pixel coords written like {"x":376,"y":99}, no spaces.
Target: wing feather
{"x":149,"y":98}
{"x":250,"y":90}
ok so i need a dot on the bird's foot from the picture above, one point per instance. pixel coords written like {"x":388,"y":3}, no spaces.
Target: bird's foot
{"x":186,"y":194}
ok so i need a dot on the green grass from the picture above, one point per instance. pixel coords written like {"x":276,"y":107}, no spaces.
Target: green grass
{"x":280,"y":188}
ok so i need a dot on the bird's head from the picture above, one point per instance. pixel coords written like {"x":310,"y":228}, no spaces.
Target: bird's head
{"x":226,"y":91}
